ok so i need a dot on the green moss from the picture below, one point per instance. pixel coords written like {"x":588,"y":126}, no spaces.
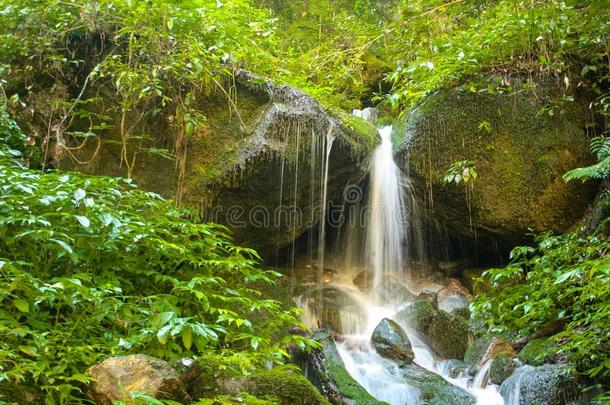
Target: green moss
{"x":337,"y":373}
{"x":520,"y":156}
{"x":434,"y":389}
{"x":419,"y":315}
{"x":475,"y":353}
{"x":537,"y":352}
{"x":241,"y":398}
{"x":361,"y":134}
{"x":447,"y":334}
{"x":501,"y":368}
{"x":285,"y":385}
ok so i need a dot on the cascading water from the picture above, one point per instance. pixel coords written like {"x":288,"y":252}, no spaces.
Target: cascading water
{"x":385,"y":238}
{"x":391,"y":231}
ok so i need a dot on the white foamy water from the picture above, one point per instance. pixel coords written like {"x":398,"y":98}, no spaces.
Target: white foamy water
{"x":386,"y":241}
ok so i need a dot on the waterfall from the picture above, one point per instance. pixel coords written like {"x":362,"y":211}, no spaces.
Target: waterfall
{"x":378,"y":248}
{"x":385,"y":237}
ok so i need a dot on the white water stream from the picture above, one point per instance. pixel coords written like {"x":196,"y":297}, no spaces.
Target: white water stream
{"x":385,"y":243}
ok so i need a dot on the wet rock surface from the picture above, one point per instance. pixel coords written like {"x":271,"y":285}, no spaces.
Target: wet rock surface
{"x":117,"y":377}
{"x":445,"y":333}
{"x":325,"y":368}
{"x":544,"y":385}
{"x":502,"y":367}
{"x":455,"y":299}
{"x":520,"y":157}
{"x":434,"y":389}
{"x":391,"y":341}
{"x":484,"y":350}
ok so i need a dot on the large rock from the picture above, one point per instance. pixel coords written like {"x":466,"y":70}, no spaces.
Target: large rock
{"x":256,"y":165}
{"x":520,"y":155}
{"x":544,"y":385}
{"x":484,"y":350}
{"x":391,"y":342}
{"x":434,"y":389}
{"x":444,"y":333}
{"x":118,"y":377}
{"x":501,"y":368}
{"x":454,"y":298}
{"x":325,"y":368}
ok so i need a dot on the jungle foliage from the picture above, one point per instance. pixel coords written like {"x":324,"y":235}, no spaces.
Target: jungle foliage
{"x":92,"y":267}
{"x":563,"y":278}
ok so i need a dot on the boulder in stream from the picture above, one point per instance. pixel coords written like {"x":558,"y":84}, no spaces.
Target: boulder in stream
{"x":545,"y":385}
{"x":501,"y":368}
{"x":117,"y":377}
{"x":454,"y":298}
{"x":444,"y":333}
{"x":484,"y":350}
{"x":326,"y":370}
{"x":391,"y":341}
{"x":434,"y":389}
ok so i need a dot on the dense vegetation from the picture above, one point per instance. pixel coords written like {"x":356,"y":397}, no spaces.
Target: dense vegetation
{"x":93,"y":266}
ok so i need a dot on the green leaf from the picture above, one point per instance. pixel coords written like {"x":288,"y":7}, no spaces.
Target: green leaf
{"x":187,"y":337}
{"x":22,"y":305}
{"x":84,"y":221}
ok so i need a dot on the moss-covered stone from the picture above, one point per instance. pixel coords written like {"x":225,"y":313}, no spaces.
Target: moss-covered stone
{"x":434,"y":389}
{"x":391,"y":342}
{"x":286,"y":386}
{"x":485,"y":349}
{"x":501,"y":368}
{"x":544,"y":385}
{"x":445,"y":333}
{"x":254,"y":165}
{"x":537,"y":352}
{"x":326,"y":370}
{"x":520,"y":155}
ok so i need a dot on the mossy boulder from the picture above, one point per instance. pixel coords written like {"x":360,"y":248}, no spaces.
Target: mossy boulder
{"x":280,"y":385}
{"x":484,"y":350}
{"x":391,"y":341}
{"x":326,"y":370}
{"x":501,"y":368}
{"x":545,"y":385}
{"x":444,"y":333}
{"x":519,"y":151}
{"x":285,"y":385}
{"x":256,"y":164}
{"x":434,"y":389}
{"x":116,"y":378}
{"x":537,"y":352}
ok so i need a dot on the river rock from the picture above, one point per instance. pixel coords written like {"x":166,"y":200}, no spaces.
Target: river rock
{"x":502,"y":366}
{"x":117,"y":377}
{"x":391,"y":341}
{"x":364,"y":280}
{"x":484,"y":350}
{"x":444,"y":333}
{"x":325,"y":368}
{"x":545,"y":385}
{"x":328,"y":304}
{"x":434,"y":389}
{"x":455,"y":299}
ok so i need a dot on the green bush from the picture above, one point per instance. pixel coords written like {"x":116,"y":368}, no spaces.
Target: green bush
{"x":92,"y":267}
{"x":563,"y":278}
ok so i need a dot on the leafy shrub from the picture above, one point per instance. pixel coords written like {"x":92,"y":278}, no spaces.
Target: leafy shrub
{"x":92,"y":267}
{"x":562,"y":278}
